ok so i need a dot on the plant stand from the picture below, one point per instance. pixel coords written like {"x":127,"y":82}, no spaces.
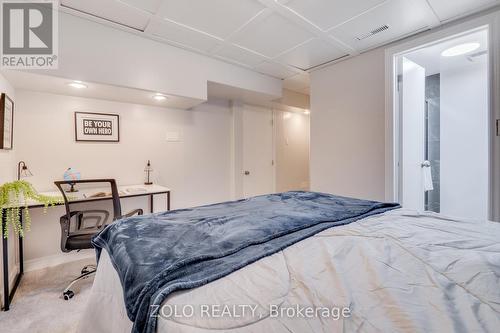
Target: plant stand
{"x":7,"y":294}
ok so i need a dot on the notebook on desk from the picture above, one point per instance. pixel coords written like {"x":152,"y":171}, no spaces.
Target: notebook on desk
{"x":121,"y":192}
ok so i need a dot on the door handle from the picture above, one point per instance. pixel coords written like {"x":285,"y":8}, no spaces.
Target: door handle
{"x":426,"y":164}
{"x":247,"y":173}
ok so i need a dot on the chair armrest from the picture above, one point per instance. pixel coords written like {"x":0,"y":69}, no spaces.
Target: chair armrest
{"x":134,"y":212}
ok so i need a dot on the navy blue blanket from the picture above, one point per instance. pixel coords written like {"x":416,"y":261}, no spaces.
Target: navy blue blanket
{"x":158,"y":254}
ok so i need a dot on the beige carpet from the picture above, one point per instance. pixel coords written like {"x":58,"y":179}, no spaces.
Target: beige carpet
{"x":38,"y":305}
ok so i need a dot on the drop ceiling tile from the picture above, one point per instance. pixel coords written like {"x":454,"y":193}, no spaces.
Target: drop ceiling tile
{"x":275,"y":70}
{"x":271,"y":36}
{"x":146,"y":5}
{"x":175,"y":33}
{"x":111,"y":10}
{"x":401,"y":16}
{"x":312,"y":53}
{"x":298,"y":82}
{"x":242,"y":56}
{"x":329,"y":13}
{"x":445,"y":11}
{"x":216,"y":17}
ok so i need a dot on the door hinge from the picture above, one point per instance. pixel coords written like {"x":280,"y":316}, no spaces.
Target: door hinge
{"x":272,"y":162}
{"x":498,"y":127}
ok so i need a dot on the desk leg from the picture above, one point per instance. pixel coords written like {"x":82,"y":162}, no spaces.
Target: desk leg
{"x":21,"y":249}
{"x":17,"y":281}
{"x":168,"y":200}
{"x":151,"y":204}
{"x":5,"y":242}
{"x":5,"y":263}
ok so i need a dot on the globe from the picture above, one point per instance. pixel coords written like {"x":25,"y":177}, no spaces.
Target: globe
{"x":72,"y":174}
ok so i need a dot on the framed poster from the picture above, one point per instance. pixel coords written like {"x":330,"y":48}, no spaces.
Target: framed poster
{"x":97,"y":127}
{"x":6,"y":122}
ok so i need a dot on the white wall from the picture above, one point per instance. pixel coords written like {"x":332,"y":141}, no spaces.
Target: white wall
{"x":7,"y":174}
{"x":348,"y":127}
{"x":197,"y":169}
{"x":464,"y":140}
{"x":7,"y":171}
{"x":292,"y":151}
{"x":295,"y":99}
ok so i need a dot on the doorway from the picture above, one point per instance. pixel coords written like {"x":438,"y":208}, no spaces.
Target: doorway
{"x":443,"y":114}
{"x":271,"y":150}
{"x":258,"y":151}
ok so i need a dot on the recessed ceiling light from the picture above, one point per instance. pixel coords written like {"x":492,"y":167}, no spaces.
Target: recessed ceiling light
{"x":159,"y":97}
{"x":307,"y":112}
{"x":460,"y":49}
{"x":77,"y":85}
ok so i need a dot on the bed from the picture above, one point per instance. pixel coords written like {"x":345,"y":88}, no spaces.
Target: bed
{"x":393,"y":271}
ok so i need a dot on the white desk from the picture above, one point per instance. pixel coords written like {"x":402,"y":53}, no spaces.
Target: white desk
{"x":84,"y":194}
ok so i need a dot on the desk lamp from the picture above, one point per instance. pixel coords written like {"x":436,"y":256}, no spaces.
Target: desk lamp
{"x":148,"y":171}
{"x":23,"y":171}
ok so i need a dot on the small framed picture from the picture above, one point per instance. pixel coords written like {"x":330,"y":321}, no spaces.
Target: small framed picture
{"x":6,"y":122}
{"x":97,"y":127}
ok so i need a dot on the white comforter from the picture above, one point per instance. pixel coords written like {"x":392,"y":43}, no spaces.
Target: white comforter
{"x":396,"y":272}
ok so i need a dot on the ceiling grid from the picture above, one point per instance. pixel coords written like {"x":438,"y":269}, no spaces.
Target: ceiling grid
{"x":281,"y":38}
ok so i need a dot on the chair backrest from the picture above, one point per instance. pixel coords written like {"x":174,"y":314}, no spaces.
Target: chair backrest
{"x":81,"y":222}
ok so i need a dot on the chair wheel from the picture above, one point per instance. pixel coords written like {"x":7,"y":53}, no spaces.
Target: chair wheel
{"x":68,"y":295}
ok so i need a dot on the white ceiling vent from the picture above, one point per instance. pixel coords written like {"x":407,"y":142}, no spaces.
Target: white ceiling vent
{"x":373,"y":32}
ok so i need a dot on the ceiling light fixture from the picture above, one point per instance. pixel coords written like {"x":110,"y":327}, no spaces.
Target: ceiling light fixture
{"x":460,"y":49}
{"x":77,"y":85}
{"x":159,"y":97}
{"x":307,"y":112}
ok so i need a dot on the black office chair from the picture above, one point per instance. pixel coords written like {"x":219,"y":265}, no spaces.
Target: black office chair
{"x":78,"y":226}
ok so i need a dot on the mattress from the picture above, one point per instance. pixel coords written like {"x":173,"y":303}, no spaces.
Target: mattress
{"x":400,"y":271}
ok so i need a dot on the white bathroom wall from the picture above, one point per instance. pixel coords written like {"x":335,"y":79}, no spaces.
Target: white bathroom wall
{"x":197,"y":168}
{"x":292,"y":150}
{"x":464,"y":140}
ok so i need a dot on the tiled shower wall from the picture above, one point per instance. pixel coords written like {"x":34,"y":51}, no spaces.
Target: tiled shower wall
{"x":433,"y":139}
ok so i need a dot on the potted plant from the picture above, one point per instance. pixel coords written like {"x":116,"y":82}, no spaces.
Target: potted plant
{"x":14,"y":198}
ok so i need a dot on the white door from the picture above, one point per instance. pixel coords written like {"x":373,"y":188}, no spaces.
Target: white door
{"x":258,"y":169}
{"x":412,"y":93}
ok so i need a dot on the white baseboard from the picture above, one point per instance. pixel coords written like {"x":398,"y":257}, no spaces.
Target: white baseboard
{"x":13,"y":271}
{"x":57,"y":259}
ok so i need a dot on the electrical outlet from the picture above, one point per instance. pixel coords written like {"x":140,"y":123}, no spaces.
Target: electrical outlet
{"x":173,"y":136}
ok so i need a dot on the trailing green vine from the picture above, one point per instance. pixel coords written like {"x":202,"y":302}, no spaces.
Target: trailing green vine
{"x":14,"y":198}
